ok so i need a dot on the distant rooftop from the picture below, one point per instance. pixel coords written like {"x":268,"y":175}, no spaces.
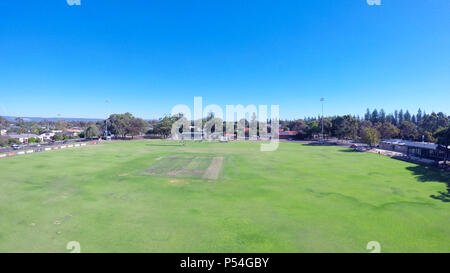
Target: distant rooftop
{"x":22,"y":135}
{"x":288,"y":133}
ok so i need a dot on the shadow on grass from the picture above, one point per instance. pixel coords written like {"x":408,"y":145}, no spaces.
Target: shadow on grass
{"x":319,"y":144}
{"x":347,"y":150}
{"x":176,"y":145}
{"x":432,"y":174}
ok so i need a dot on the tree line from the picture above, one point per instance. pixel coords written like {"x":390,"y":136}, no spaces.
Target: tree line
{"x":376,"y":125}
{"x":119,"y":125}
{"x":370,"y":128}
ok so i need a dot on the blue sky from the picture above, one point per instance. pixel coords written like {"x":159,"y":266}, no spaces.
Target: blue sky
{"x":147,"y":56}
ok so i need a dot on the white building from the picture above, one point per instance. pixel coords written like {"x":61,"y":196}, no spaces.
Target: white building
{"x":47,"y":136}
{"x":425,"y":150}
{"x":23,"y":138}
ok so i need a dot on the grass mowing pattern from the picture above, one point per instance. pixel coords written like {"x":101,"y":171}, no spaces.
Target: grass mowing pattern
{"x":298,"y":199}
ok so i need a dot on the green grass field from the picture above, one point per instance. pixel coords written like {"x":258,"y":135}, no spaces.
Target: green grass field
{"x":157,"y":196}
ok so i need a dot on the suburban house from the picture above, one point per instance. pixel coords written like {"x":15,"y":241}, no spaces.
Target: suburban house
{"x":23,"y":138}
{"x":424,"y":150}
{"x":72,"y":132}
{"x":3,"y":132}
{"x":47,"y":136}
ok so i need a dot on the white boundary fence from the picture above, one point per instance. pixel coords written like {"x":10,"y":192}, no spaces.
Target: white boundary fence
{"x":11,"y":154}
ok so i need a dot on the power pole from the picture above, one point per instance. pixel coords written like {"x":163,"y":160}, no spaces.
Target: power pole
{"x":106,"y":130}
{"x":323,"y":139}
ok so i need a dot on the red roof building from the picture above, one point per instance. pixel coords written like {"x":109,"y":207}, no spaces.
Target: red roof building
{"x":287,"y":134}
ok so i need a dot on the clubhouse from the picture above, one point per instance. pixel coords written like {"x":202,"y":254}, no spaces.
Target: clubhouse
{"x":425,"y":150}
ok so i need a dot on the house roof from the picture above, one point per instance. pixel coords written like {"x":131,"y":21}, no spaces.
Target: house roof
{"x":288,"y":133}
{"x":73,"y":130}
{"x":47,"y":134}
{"x":22,"y":135}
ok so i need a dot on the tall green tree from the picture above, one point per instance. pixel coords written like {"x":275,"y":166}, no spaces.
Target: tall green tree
{"x":136,"y":126}
{"x":400,"y":116}
{"x":408,"y":130}
{"x":374,"y":117}
{"x":382,"y":116}
{"x":407,"y":116}
{"x":118,"y":124}
{"x":34,"y":129}
{"x":430,"y":123}
{"x":297,"y":125}
{"x":312,"y":128}
{"x":164,"y":126}
{"x":388,"y":131}
{"x":419,"y":116}
{"x":443,"y":138}
{"x":345,"y":127}
{"x":91,"y":131}
{"x":370,"y":136}
{"x":367,"y":116}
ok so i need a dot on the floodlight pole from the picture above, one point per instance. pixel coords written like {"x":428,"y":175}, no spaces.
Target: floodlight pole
{"x":106,"y":122}
{"x":323,"y":139}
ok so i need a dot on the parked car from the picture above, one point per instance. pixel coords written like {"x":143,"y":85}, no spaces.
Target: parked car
{"x":15,"y":147}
